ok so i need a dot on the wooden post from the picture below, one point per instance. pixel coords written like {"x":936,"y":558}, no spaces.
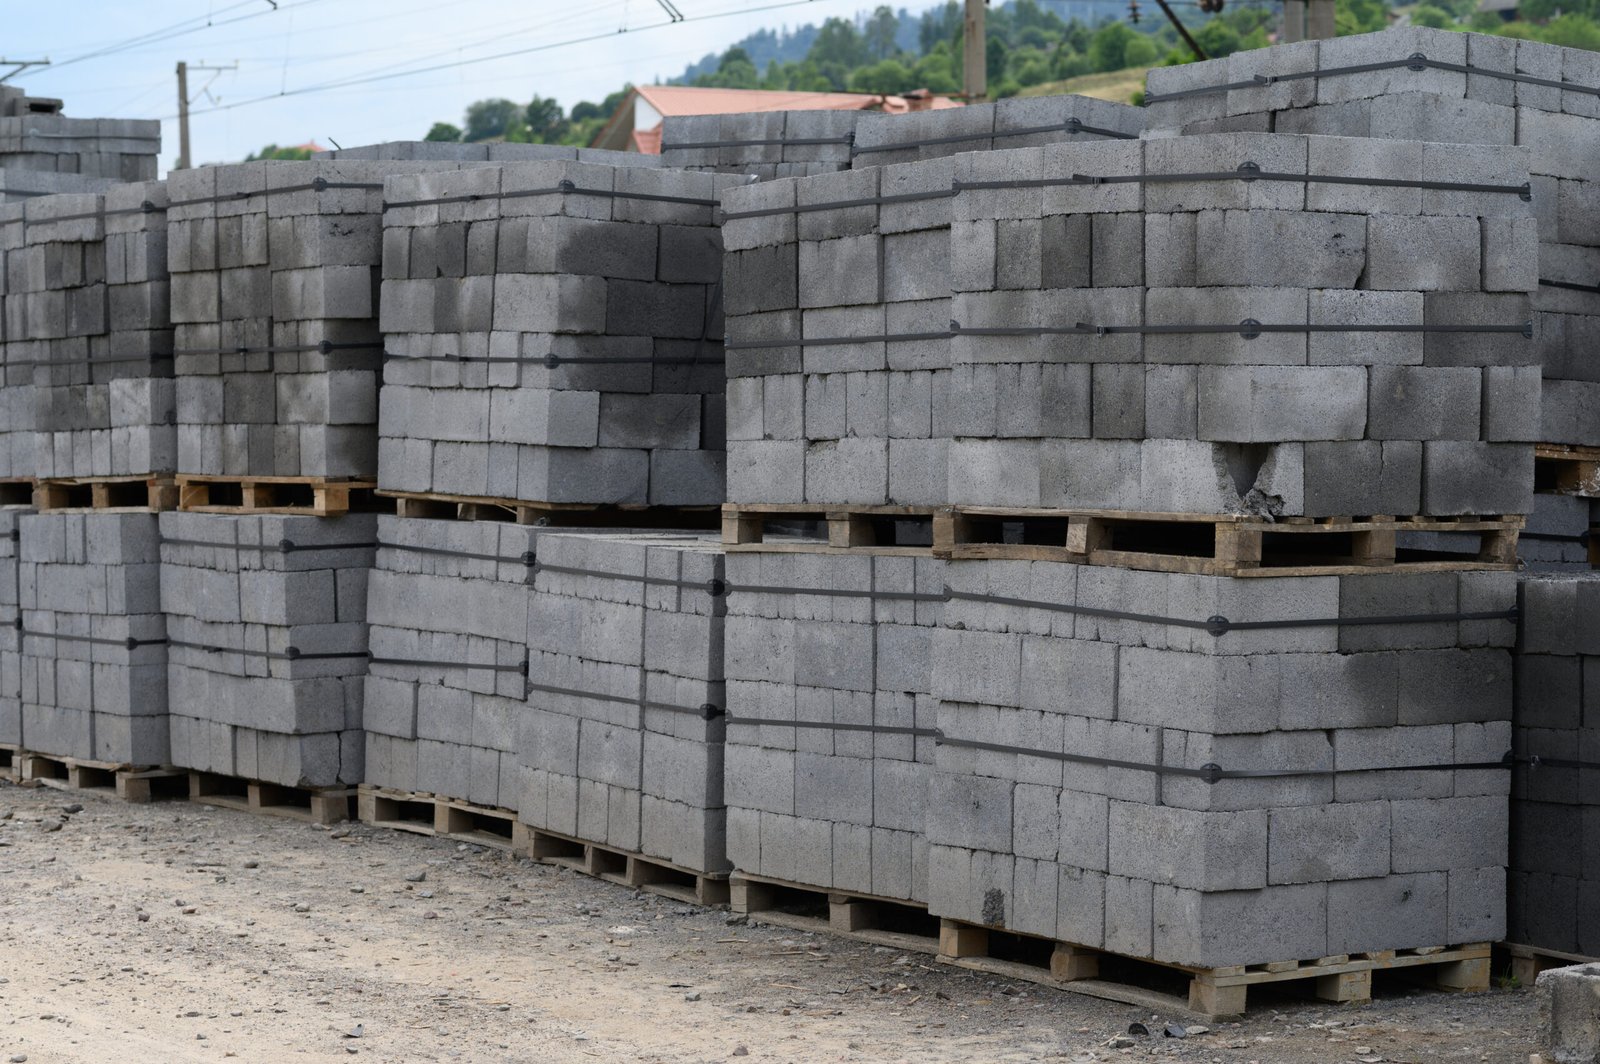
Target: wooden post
{"x":975,"y":53}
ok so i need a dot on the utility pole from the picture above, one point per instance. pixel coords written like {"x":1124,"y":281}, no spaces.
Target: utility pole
{"x":975,"y":53}
{"x":19,"y":65}
{"x":184,"y":162}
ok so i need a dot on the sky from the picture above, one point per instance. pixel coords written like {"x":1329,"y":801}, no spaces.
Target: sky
{"x":364,"y":71}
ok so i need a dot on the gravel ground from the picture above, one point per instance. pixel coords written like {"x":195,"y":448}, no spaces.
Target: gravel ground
{"x":178,"y":932}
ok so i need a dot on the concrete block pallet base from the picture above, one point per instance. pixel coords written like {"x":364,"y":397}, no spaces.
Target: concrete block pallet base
{"x":891,"y":922}
{"x":316,"y":805}
{"x":436,"y":815}
{"x":131,"y":783}
{"x":152,"y":493}
{"x":309,"y":496}
{"x":810,"y":528}
{"x":1218,"y":545}
{"x":618,"y":866}
{"x":1524,"y":963}
{"x":585,"y":515}
{"x":1566,"y":469}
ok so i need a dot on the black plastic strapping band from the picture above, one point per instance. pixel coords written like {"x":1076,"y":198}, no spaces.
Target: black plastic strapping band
{"x":520,"y":667}
{"x":1247,"y":172}
{"x":1213,"y":773}
{"x":695,"y":145}
{"x":1537,"y":761}
{"x":711,"y":587}
{"x":110,"y":212}
{"x":129,"y":643}
{"x":524,"y":559}
{"x":288,"y":654}
{"x":839,"y":205}
{"x":1220,"y":626}
{"x":562,"y":188}
{"x":1572,"y":286}
{"x":317,"y":184}
{"x":1559,"y":537}
{"x":554,"y":361}
{"x":706,"y":711}
{"x":825,"y":725}
{"x":832,"y":341}
{"x":1071,"y":125}
{"x":839,"y":592}
{"x":1249,"y":329}
{"x":1417,"y":61}
{"x":90,"y":136}
{"x":90,"y":361}
{"x":325,"y":347}
{"x":283,"y":546}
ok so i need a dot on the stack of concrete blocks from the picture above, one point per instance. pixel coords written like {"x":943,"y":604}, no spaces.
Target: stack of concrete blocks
{"x":447,"y":607}
{"x":1017,"y":122}
{"x":556,"y":347}
{"x":622,"y":737}
{"x":10,"y":636}
{"x":121,"y":149}
{"x":93,"y":638}
{"x":763,"y":144}
{"x":1280,"y":423}
{"x":267,"y":620}
{"x":1043,"y":821}
{"x":861,"y":420}
{"x":17,"y":185}
{"x":88,"y":289}
{"x":274,"y":272}
{"x":16,"y":364}
{"x":1560,"y":129}
{"x":1555,"y":805}
{"x":830,"y":737}
{"x":485,"y":152}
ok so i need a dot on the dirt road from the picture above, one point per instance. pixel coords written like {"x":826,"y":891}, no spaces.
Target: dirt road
{"x":174,"y":932}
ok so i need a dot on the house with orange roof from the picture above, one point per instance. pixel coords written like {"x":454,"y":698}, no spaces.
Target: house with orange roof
{"x":636,"y":124}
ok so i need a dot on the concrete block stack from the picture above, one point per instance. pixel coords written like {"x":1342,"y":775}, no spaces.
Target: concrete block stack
{"x":119,"y":149}
{"x":10,"y":636}
{"x":838,"y":351}
{"x":93,"y":637}
{"x":1118,"y":313}
{"x":485,"y":152}
{"x":19,"y":185}
{"x":830,"y":734}
{"x":1074,"y":797}
{"x":274,"y":271}
{"x":16,"y":365}
{"x":1559,"y":128}
{"x":764,"y":144}
{"x":1555,"y":798}
{"x":89,"y":293}
{"x":550,"y":345}
{"x":1017,"y":122}
{"x":266,"y":618}
{"x":447,"y":607}
{"x":621,"y":741}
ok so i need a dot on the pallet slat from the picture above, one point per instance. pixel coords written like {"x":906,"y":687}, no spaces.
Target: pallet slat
{"x":317,"y":805}
{"x":315,"y":496}
{"x":1567,"y":470}
{"x":634,"y":870}
{"x":888,"y":529}
{"x":152,"y":493}
{"x":524,"y":512}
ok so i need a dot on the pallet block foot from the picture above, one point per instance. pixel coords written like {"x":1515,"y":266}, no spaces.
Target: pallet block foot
{"x":746,"y":897}
{"x":1069,"y":963}
{"x":1345,"y":986}
{"x":1209,"y":999}
{"x":962,"y":940}
{"x":1464,"y":975}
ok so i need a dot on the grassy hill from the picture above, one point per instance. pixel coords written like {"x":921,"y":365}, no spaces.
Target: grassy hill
{"x":1117,"y":85}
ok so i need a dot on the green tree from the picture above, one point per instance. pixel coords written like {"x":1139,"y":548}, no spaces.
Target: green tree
{"x":880,"y":32}
{"x":734,"y":71}
{"x":1108,"y":48}
{"x":1573,"y":31}
{"x":940,"y":26}
{"x":838,"y":43}
{"x":1432,"y":17}
{"x":545,"y":120}
{"x":443,"y":131}
{"x":275,"y":153}
{"x":486,"y":119}
{"x":889,"y":76}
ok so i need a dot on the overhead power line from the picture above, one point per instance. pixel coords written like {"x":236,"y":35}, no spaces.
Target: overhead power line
{"x":454,"y":64}
{"x":185,"y":27}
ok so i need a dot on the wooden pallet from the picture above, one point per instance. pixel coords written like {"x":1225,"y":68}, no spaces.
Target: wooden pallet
{"x":317,"y":805}
{"x":895,"y":923}
{"x":1528,"y":961}
{"x":435,"y":814}
{"x":441,"y":507}
{"x":1567,"y":470}
{"x":106,"y":493}
{"x":10,"y":762}
{"x":16,"y":491}
{"x":810,"y":528}
{"x":1217,"y":545}
{"x":619,"y":866}
{"x":1212,"y":992}
{"x":313,"y":496}
{"x":132,"y":783}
